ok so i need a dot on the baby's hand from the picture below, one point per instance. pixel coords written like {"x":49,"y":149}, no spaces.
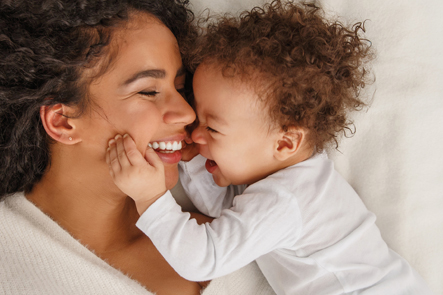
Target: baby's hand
{"x":190,"y":150}
{"x":141,"y":178}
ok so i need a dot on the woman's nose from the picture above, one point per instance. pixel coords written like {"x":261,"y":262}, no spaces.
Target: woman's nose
{"x":198,"y":135}
{"x":179,"y":111}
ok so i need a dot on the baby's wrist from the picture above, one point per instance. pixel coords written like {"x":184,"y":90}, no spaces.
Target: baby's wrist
{"x":143,"y":205}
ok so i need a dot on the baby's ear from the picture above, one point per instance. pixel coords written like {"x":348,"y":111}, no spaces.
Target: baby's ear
{"x":289,"y":143}
{"x":58,"y":124}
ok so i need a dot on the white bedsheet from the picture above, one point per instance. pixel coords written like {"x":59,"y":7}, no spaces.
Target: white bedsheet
{"x":394,"y":160}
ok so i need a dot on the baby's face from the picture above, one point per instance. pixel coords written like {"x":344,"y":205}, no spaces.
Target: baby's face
{"x":234,"y":131}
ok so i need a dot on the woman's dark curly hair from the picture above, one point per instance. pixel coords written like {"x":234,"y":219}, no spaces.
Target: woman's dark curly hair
{"x":45,"y":45}
{"x":308,"y":71}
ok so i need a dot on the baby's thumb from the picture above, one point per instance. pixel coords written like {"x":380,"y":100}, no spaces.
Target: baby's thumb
{"x":152,"y":158}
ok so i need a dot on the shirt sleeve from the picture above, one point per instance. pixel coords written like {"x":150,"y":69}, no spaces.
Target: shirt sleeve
{"x":255,"y":225}
{"x":198,"y":184}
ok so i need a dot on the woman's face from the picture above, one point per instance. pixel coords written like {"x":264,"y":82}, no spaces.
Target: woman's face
{"x":140,"y":94}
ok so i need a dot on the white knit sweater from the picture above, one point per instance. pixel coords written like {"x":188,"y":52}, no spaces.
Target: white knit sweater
{"x":38,"y":257}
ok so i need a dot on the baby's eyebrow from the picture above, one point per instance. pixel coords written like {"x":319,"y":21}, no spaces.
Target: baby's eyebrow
{"x":218,"y":119}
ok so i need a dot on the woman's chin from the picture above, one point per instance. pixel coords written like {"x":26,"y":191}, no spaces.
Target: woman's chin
{"x":171,"y":175}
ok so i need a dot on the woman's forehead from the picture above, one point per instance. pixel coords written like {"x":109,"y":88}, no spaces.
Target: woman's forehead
{"x":143,"y":42}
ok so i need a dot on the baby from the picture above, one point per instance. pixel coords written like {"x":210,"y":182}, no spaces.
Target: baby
{"x":272,"y":90}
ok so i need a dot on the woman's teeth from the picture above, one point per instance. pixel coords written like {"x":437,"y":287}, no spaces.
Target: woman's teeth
{"x":166,"y":147}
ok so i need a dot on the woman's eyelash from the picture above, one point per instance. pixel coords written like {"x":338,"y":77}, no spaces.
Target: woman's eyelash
{"x":153,"y":93}
{"x":211,"y":130}
{"x":149,"y":93}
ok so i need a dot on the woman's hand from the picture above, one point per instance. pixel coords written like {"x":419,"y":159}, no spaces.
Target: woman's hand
{"x":141,"y":178}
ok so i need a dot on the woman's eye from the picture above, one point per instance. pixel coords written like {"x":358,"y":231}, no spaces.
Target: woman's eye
{"x":211,"y":130}
{"x":148,"y":93}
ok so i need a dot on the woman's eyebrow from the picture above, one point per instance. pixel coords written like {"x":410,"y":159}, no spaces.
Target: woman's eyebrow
{"x":154,"y":73}
{"x":157,"y":74}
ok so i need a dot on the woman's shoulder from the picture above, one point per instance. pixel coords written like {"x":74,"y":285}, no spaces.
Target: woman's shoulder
{"x":11,"y":205}
{"x":38,"y":256}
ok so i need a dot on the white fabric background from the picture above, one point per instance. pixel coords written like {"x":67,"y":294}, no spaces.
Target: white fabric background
{"x":394,"y":160}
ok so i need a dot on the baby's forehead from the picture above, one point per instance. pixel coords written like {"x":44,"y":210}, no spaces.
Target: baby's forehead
{"x":226,"y":84}
{"x":227,"y":97}
{"x":246,"y":78}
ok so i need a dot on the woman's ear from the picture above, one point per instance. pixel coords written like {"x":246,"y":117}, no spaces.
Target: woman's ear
{"x":58,"y":124}
{"x":289,"y":143}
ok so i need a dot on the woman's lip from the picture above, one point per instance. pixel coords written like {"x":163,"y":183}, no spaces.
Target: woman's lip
{"x":170,"y":158}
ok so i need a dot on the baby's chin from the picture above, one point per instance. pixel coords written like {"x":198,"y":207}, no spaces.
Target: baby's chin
{"x":221,"y":181}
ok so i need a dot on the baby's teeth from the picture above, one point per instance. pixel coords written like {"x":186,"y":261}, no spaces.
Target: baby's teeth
{"x":162,"y":145}
{"x":169,"y":146}
{"x":179,"y":146}
{"x":155,"y":145}
{"x":174,"y":146}
{"x":150,"y":145}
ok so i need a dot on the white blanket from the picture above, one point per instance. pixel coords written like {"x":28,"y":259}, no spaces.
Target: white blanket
{"x":394,"y":159}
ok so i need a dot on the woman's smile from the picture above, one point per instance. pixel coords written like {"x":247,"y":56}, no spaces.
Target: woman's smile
{"x":169,"y":150}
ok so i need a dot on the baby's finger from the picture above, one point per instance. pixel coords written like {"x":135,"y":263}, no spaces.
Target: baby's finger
{"x":153,"y":159}
{"x":190,"y":151}
{"x":107,"y":157}
{"x":121,"y":153}
{"x":112,"y":156}
{"x":133,"y":154}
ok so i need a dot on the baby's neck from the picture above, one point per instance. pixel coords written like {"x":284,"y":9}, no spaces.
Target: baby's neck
{"x":300,"y":156}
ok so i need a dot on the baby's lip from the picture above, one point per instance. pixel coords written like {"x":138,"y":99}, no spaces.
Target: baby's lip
{"x":210,"y":165}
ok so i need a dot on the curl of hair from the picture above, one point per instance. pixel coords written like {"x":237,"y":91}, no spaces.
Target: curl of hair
{"x":308,"y":71}
{"x":45,"y":45}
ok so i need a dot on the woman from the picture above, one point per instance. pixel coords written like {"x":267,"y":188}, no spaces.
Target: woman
{"x":73,"y":74}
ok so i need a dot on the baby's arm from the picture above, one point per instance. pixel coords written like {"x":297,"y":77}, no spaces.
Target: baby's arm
{"x":141,"y":178}
{"x":205,"y":194}
{"x":254,"y":226}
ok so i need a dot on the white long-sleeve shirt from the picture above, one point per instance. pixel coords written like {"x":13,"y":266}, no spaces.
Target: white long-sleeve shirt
{"x":304,"y":225}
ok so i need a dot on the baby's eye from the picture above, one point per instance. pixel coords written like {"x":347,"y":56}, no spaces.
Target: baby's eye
{"x":148,"y":93}
{"x":211,"y":130}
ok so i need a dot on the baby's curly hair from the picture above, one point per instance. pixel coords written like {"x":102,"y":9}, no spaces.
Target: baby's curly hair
{"x":308,"y":71}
